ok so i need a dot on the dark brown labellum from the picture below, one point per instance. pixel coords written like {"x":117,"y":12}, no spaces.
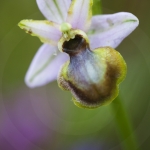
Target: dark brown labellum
{"x":91,"y":76}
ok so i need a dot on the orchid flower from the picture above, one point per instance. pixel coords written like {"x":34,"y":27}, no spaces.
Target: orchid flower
{"x":86,"y":42}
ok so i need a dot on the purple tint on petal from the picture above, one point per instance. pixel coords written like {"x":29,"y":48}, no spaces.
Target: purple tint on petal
{"x":55,"y":11}
{"x":45,"y":66}
{"x":110,"y":30}
{"x":80,"y":13}
{"x":57,"y":63}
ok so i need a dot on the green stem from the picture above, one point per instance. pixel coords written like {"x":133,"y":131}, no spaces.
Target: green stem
{"x":123,"y":125}
{"x":97,"y":7}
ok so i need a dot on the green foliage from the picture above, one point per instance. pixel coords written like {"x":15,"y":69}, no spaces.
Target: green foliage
{"x":97,"y":7}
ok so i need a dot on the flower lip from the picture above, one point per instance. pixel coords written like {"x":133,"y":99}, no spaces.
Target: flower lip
{"x":75,"y":46}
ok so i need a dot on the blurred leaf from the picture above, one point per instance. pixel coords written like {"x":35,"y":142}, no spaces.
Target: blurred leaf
{"x":97,"y":7}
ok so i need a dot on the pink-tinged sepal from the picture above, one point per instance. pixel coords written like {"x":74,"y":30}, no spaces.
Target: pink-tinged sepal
{"x":45,"y":66}
{"x":110,"y":30}
{"x":54,"y":10}
{"x":80,"y":13}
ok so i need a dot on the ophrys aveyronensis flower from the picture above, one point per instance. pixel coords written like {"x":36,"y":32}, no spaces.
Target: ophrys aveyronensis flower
{"x":92,"y":74}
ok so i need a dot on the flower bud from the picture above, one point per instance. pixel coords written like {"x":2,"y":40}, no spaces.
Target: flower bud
{"x":91,"y":76}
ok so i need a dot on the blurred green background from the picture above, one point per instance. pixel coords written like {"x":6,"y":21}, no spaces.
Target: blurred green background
{"x":45,"y":118}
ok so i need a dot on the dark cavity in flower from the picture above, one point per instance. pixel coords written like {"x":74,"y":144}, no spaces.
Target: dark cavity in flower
{"x":74,"y":46}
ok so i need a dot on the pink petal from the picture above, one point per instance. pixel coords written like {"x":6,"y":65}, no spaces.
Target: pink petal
{"x":80,"y":13}
{"x":45,"y":66}
{"x":110,"y":30}
{"x":54,"y":10}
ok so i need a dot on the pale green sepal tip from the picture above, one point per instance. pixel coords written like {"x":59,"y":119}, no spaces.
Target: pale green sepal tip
{"x":22,"y":25}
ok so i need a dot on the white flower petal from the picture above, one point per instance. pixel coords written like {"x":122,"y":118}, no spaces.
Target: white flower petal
{"x":54,"y":10}
{"x":80,"y":13}
{"x":110,"y":30}
{"x":47,"y":31}
{"x":45,"y":66}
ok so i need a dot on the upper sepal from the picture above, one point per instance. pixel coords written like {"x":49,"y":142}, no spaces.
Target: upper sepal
{"x":80,"y":14}
{"x":54,"y":10}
